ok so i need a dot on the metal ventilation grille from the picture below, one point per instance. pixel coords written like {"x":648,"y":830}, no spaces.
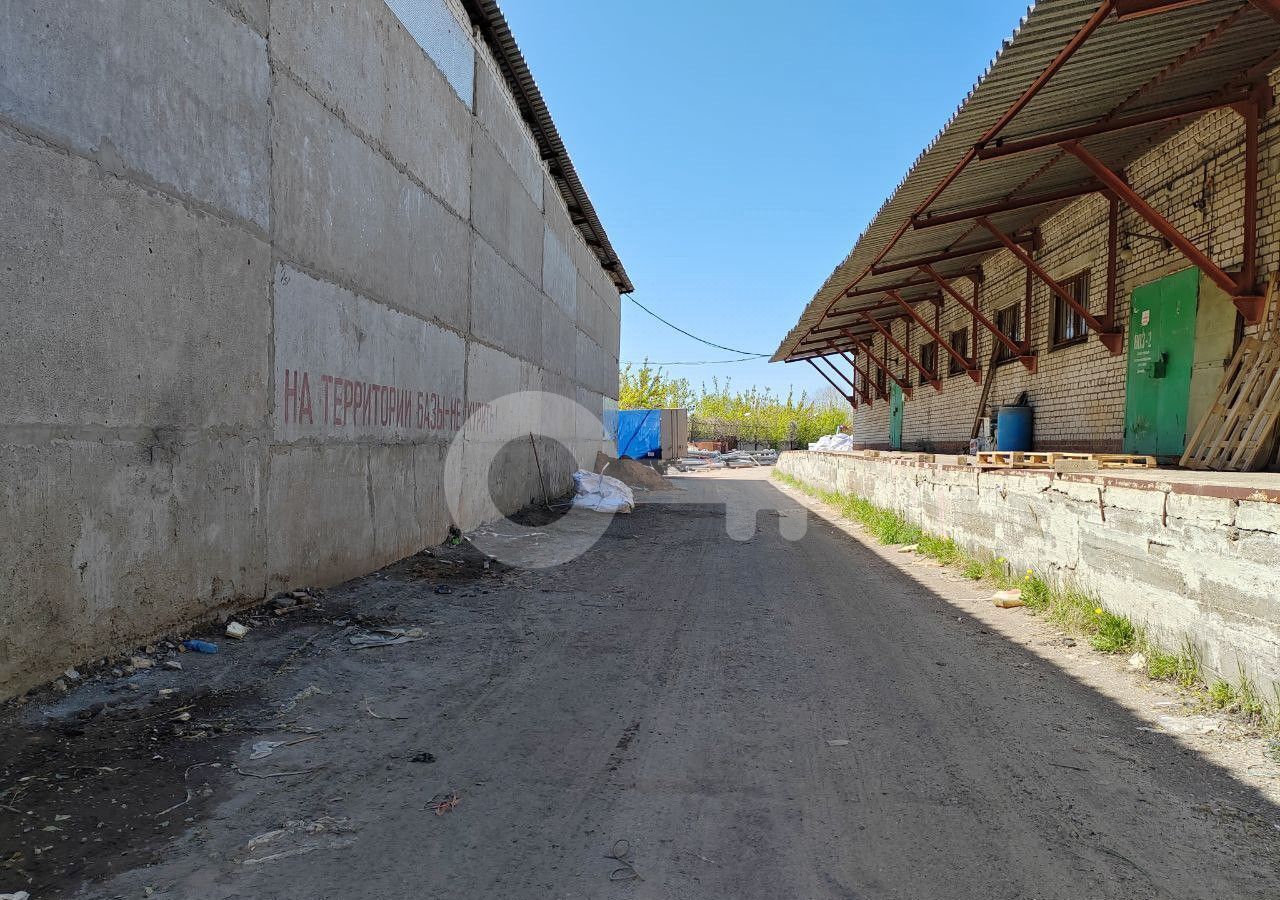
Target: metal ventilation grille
{"x":438,"y":32}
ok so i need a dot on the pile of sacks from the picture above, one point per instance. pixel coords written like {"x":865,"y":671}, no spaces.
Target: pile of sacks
{"x":601,"y":493}
{"x":833,"y":442}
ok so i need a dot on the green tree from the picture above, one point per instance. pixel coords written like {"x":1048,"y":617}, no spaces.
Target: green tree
{"x":648,"y":388}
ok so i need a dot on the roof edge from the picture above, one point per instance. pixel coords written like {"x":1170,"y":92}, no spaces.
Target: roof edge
{"x":488,"y":18}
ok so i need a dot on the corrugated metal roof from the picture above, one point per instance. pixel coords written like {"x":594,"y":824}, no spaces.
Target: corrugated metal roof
{"x":1125,"y":67}
{"x":488,"y":17}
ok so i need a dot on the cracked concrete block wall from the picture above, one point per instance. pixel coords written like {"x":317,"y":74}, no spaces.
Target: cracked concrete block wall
{"x":262,"y":264}
{"x":1189,"y":563}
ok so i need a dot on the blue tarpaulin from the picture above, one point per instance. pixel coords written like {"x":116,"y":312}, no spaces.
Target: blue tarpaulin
{"x":639,"y":433}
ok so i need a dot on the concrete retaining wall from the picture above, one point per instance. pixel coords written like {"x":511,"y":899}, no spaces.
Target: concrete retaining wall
{"x":1187,"y":560}
{"x":261,"y":261}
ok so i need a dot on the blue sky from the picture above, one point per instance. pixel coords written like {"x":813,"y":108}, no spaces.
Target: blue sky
{"x":736,"y":150}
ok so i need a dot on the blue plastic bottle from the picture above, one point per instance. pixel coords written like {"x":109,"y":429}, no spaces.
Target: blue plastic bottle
{"x":200,"y":646}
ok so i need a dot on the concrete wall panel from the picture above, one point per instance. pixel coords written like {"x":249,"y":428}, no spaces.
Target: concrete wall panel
{"x":496,"y":114}
{"x":343,"y":209}
{"x":559,"y":340}
{"x":200,"y":129}
{"x":559,"y":277}
{"x":74,"y":290}
{"x":349,"y":369}
{"x":358,"y":58}
{"x":506,"y":306}
{"x":93,"y":530}
{"x":503,"y":213}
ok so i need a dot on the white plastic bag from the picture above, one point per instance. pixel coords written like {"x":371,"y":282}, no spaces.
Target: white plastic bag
{"x":601,"y":493}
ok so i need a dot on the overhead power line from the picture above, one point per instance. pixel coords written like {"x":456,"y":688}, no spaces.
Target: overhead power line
{"x":698,"y":362}
{"x":632,"y":298}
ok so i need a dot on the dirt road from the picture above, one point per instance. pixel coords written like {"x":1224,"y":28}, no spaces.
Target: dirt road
{"x":767,"y":718}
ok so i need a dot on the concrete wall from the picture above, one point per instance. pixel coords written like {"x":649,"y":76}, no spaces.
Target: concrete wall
{"x":1196,"y":179}
{"x":261,"y":261}
{"x":1188,"y":560}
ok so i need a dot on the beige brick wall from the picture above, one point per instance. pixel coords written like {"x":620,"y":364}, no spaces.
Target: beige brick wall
{"x":1196,"y":179}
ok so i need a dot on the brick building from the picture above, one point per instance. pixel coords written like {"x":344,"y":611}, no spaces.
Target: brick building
{"x":1110,"y":155}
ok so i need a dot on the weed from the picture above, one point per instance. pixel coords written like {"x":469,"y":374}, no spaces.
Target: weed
{"x":1250,"y":703}
{"x":973,"y":570}
{"x":1036,"y":592}
{"x":1221,"y":695}
{"x":1115,"y":633}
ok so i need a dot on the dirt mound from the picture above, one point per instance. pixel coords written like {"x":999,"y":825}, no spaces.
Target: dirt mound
{"x":631,"y":473}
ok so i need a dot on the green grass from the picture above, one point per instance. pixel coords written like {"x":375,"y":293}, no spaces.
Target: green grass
{"x":1070,"y":609}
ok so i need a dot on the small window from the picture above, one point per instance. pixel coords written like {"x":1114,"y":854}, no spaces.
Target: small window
{"x":929,"y":361}
{"x":959,"y":340}
{"x":1009,"y":321}
{"x":1069,"y":327}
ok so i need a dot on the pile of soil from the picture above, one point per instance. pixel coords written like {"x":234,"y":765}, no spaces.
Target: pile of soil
{"x":631,"y":473}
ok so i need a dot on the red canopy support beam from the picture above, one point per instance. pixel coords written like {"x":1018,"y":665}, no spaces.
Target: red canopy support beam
{"x":1268,"y":7}
{"x":868,"y":384}
{"x":1105,"y":9}
{"x":837,"y":351}
{"x":1250,"y":306}
{"x":931,"y":377}
{"x":880,"y":364}
{"x":973,"y":250}
{"x":1136,"y":9}
{"x":839,"y":390}
{"x":1008,"y":205}
{"x":970,"y":369}
{"x":1027,"y":360}
{"x":859,"y":388}
{"x":1112,"y":337}
{"x":1121,"y":123}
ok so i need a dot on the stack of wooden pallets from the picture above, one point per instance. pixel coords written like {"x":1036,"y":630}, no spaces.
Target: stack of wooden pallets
{"x":1238,"y":431}
{"x":1009,"y":459}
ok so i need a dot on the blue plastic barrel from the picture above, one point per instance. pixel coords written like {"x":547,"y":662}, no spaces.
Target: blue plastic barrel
{"x":1013,"y":428}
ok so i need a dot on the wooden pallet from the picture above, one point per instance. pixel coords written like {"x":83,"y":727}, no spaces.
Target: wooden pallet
{"x":1237,"y":432}
{"x":1007,"y":459}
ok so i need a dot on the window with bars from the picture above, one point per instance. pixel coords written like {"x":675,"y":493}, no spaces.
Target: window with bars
{"x":881,"y":381}
{"x":929,"y":361}
{"x":959,"y":339}
{"x":1009,"y":321}
{"x":1069,"y":326}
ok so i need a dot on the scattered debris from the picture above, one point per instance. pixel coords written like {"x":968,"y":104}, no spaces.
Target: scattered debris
{"x":369,"y":709}
{"x":1008,"y":599}
{"x":200,"y":646}
{"x":303,"y":836}
{"x":263,"y":749}
{"x":838,"y":742}
{"x":621,"y":853}
{"x":386,"y":637}
{"x":423,"y":757}
{"x":443,"y":803}
{"x":1138,"y":661}
{"x":237,"y":631}
{"x":173,"y":665}
{"x":276,"y":774}
{"x":443,"y":589}
{"x":908,"y":548}
{"x":141,"y":662}
{"x":18,"y":895}
{"x":70,"y":675}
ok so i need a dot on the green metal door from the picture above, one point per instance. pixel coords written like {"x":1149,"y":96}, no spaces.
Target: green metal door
{"x":895,"y":417}
{"x":1162,"y":332}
